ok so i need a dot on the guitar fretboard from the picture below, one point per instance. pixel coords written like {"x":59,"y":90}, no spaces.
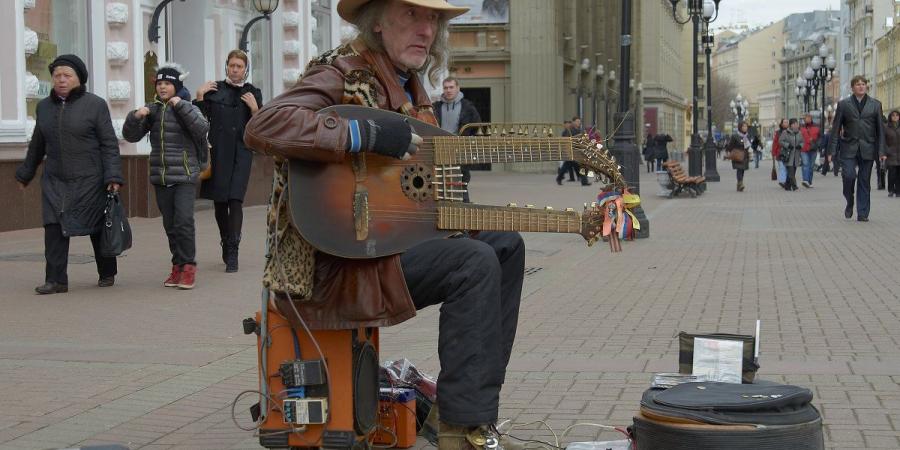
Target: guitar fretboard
{"x":506,"y":218}
{"x":452,"y":150}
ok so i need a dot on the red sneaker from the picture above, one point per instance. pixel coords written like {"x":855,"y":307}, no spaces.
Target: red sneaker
{"x":174,"y":277}
{"x":188,"y":273}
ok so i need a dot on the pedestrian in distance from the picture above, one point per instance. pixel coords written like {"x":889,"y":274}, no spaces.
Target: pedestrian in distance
{"x":454,"y":111}
{"x":892,"y":142}
{"x":781,"y":171}
{"x":661,"y":150}
{"x":228,"y":105}
{"x":647,"y":151}
{"x":810,"y":133}
{"x":566,"y":167}
{"x":571,"y":167}
{"x":858,"y":130}
{"x":792,"y":142}
{"x":738,"y":151}
{"x":75,"y":141}
{"x":881,"y":167}
{"x":757,"y":145}
{"x":178,"y":153}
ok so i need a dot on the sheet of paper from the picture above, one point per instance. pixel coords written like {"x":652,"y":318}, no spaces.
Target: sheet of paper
{"x":720,"y":360}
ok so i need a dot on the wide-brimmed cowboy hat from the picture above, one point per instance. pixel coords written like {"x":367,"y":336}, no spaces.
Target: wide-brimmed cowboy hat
{"x":347,"y":9}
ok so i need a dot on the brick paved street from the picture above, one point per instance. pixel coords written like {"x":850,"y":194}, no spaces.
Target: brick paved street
{"x":155,"y":368}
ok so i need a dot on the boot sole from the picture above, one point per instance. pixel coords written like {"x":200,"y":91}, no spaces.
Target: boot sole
{"x":55,"y":291}
{"x":185,"y":287}
{"x":170,"y":284}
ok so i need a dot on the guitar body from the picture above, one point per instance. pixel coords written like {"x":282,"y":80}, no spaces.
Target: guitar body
{"x":328,"y":201}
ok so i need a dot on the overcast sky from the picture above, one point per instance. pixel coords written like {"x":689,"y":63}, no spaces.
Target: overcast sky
{"x":762,"y":12}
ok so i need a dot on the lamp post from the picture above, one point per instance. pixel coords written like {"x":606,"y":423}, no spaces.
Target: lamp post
{"x":153,"y":28}
{"x":624,"y":150}
{"x":706,"y":10}
{"x":803,"y":91}
{"x":712,"y":172}
{"x":740,"y":108}
{"x":264,"y":7}
{"x":822,"y":69}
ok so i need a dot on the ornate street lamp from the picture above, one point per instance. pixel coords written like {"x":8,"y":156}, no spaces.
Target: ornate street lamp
{"x":820,"y":72}
{"x":153,"y":28}
{"x":740,"y":107}
{"x":707,"y":11}
{"x":624,"y":149}
{"x":264,"y":7}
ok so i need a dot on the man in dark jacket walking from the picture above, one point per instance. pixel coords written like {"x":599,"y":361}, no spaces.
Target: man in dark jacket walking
{"x":453,"y":112}
{"x":859,"y":131}
{"x":75,"y":134}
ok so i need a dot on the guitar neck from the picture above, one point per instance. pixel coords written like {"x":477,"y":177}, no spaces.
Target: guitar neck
{"x":454,"y":150}
{"x":506,"y":218}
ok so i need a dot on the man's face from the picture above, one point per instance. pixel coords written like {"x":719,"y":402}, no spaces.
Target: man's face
{"x":576,"y":123}
{"x":64,"y":80}
{"x":807,"y":119}
{"x":236,"y":70}
{"x":407,"y":33}
{"x":451,"y":89}
{"x":165,"y":90}
{"x":860,"y":88}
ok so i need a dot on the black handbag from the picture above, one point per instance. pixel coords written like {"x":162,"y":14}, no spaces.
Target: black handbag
{"x":115,"y":237}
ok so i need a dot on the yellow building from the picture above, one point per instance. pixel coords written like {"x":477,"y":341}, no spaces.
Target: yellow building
{"x":888,"y":69}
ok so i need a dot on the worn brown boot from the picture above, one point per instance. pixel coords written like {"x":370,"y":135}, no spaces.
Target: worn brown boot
{"x":455,"y":437}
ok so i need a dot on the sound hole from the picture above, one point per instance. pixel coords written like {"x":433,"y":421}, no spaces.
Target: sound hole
{"x":416,"y":182}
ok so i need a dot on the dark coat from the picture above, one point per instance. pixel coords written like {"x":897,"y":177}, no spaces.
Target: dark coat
{"x":863,"y":133}
{"x":174,"y":156}
{"x":736,"y":144}
{"x":77,"y":139}
{"x":660,"y":147}
{"x":231,"y":159}
{"x":892,"y":141}
{"x":467,"y":114}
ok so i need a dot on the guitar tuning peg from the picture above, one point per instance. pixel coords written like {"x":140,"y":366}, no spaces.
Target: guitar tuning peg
{"x":585,"y":205}
{"x":512,"y":205}
{"x":570,"y":209}
{"x":548,"y":208}
{"x":529,"y":206}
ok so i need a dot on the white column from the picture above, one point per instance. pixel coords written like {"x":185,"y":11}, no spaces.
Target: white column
{"x":12,"y":128}
{"x":97,"y":39}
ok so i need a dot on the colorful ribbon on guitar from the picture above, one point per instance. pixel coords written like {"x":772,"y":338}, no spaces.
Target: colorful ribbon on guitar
{"x":619,"y":222}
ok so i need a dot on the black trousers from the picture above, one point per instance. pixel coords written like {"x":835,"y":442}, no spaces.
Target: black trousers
{"x":791,"y":181}
{"x":478,"y":283}
{"x":176,"y":203}
{"x":857,"y":173}
{"x":569,"y":167}
{"x":56,"y":252}
{"x":740,"y":175}
{"x":893,"y":173}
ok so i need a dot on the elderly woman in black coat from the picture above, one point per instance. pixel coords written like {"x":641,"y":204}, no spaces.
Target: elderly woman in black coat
{"x":75,"y":140}
{"x":228,"y":105}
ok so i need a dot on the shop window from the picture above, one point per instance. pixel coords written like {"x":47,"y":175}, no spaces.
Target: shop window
{"x":62,"y":28}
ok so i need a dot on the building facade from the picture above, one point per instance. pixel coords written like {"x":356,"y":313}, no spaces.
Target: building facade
{"x":887,"y":76}
{"x":862,"y":23}
{"x":111,"y":36}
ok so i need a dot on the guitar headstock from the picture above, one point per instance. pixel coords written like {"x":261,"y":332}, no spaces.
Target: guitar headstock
{"x":593,"y":155}
{"x":592,"y":223}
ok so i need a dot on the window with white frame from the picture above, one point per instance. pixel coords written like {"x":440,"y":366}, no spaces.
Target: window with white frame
{"x":61,"y":27}
{"x":321,"y":25}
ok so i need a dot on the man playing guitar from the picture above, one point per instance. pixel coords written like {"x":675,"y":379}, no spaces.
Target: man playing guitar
{"x":477,"y":279}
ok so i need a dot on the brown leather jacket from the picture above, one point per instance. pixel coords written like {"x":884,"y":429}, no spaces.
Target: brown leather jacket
{"x":346,"y":293}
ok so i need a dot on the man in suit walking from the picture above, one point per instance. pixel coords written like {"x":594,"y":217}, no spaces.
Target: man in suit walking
{"x":858,"y":126}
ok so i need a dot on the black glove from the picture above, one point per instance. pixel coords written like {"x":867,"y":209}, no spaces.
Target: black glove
{"x":390,"y":137}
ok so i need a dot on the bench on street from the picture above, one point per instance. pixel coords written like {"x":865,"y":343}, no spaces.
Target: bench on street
{"x":680,"y":181}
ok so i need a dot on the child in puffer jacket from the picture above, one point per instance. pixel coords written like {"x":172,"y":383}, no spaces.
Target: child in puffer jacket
{"x":179,"y":153}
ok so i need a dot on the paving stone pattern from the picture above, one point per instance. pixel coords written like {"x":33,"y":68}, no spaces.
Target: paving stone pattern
{"x":156,"y":368}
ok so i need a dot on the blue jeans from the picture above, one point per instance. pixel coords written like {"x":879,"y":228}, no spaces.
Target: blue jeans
{"x":809,"y":159}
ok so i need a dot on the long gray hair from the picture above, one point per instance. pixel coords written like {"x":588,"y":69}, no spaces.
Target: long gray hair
{"x":369,"y":15}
